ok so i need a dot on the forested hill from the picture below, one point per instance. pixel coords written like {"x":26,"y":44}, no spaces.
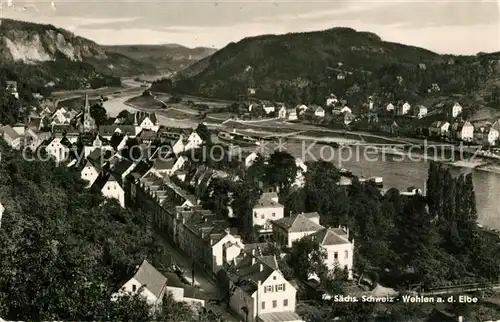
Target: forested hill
{"x":167,"y":58}
{"x":42,"y":54}
{"x":303,"y":67}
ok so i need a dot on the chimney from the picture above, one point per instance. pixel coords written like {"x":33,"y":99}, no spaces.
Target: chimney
{"x":261,"y":267}
{"x":228,"y":231}
{"x":460,"y":318}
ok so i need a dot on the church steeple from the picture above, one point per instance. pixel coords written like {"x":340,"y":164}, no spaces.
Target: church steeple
{"x":87,"y":105}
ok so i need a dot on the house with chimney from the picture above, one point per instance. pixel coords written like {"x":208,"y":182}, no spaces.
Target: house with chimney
{"x":148,"y":282}
{"x":110,"y":188}
{"x":258,"y":290}
{"x":266,"y":210}
{"x":146,"y":121}
{"x":289,"y":229}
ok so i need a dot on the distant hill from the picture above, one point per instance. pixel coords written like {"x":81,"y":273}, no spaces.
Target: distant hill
{"x":166,"y":58}
{"x":306,"y":67}
{"x":39,"y":54}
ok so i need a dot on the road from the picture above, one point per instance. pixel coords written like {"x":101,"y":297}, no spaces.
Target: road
{"x":201,"y":278}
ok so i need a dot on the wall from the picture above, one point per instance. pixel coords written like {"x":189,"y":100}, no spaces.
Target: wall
{"x":113,"y":190}
{"x":342,"y":261}
{"x":289,"y":294}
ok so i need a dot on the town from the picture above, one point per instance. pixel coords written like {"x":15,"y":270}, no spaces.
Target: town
{"x":254,"y":237}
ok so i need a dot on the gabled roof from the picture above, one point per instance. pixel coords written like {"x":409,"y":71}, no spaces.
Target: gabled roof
{"x":10,"y":132}
{"x":328,"y":237}
{"x":140,"y":116}
{"x":151,"y":278}
{"x":164,"y":164}
{"x":250,"y":269}
{"x":121,"y":166}
{"x":298,"y":223}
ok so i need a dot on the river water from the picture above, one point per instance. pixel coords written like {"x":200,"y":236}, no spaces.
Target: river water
{"x":397,"y":172}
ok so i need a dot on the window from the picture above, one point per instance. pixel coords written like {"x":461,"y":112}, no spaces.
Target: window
{"x":274,"y":214}
{"x":261,"y":216}
{"x":280,"y":287}
{"x":346,"y":254}
{"x":285,"y":302}
{"x":255,"y":214}
{"x":274,"y":277}
{"x":268,"y":289}
{"x":263,"y":305}
{"x":345,"y":267}
{"x":108,"y":188}
{"x":134,"y":288}
{"x":336,"y":255}
{"x":275,"y":304}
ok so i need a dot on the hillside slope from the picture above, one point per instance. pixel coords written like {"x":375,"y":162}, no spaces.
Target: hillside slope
{"x":166,"y":58}
{"x":44,"y":53}
{"x":305,"y":67}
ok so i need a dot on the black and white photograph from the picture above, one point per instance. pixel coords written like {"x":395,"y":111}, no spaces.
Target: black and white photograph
{"x":250,"y":161}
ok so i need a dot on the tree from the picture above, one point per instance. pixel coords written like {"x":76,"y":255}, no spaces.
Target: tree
{"x":281,"y":171}
{"x":125,"y":115}
{"x":204,"y":132}
{"x":307,"y":258}
{"x":99,"y":114}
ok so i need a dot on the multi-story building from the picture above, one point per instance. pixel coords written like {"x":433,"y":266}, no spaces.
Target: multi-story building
{"x":258,"y":289}
{"x":266,"y":210}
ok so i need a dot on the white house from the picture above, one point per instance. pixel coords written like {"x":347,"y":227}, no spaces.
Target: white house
{"x":11,"y":137}
{"x":349,"y":118}
{"x":58,"y":148}
{"x":339,"y":250}
{"x":261,"y":292}
{"x":282,"y":112}
{"x":147,"y":282}
{"x":266,"y":210}
{"x":268,"y":108}
{"x":290,"y":229}
{"x":319,"y":112}
{"x":2,"y":209}
{"x":389,"y":107}
{"x":301,"y":170}
{"x":146,"y":121}
{"x":456,"y":110}
{"x":292,"y":114}
{"x":439,"y":128}
{"x":110,"y":188}
{"x":182,"y":292}
{"x":225,"y":249}
{"x":12,"y":88}
{"x":493,"y":135}
{"x":195,"y":139}
{"x":250,"y":159}
{"x":331,"y":100}
{"x":422,"y":111}
{"x":465,"y":131}
{"x":405,"y":108}
{"x":178,"y":146}
{"x":494,"y":127}
{"x":96,"y":144}
{"x":89,"y":173}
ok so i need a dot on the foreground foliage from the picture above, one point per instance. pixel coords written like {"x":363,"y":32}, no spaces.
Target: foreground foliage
{"x":63,"y":254}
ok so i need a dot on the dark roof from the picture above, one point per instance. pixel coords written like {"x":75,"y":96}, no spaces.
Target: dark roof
{"x":140,"y":170}
{"x":147,"y":135}
{"x":151,"y":278}
{"x":162,"y":164}
{"x":248,"y":270}
{"x":100,"y":181}
{"x":109,"y":130}
{"x":328,"y":236}
{"x":122,"y":166}
{"x":298,"y":223}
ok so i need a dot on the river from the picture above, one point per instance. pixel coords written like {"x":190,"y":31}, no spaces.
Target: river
{"x":397,"y":172}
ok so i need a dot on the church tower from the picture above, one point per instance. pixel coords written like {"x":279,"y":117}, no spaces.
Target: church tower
{"x":88,"y":122}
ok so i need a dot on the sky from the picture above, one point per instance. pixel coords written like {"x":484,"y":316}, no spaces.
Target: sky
{"x":455,"y":27}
